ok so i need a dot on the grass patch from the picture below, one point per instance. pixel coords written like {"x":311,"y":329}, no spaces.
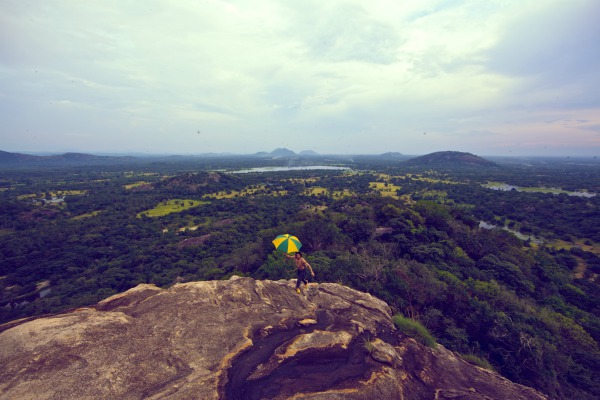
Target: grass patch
{"x":61,"y":193}
{"x":316,"y":191}
{"x":301,"y":181}
{"x":336,"y":194}
{"x":415,"y":330}
{"x":475,"y":360}
{"x":368,"y":345}
{"x":26,"y":196}
{"x":385,"y":189}
{"x":223,"y":195}
{"x":248,"y":191}
{"x":57,"y":194}
{"x":433,"y":180}
{"x":434,"y":194}
{"x":133,"y":173}
{"x":171,"y":206}
{"x":87,"y":215}
{"x":136,"y":184}
{"x":559,"y":244}
{"x":342,"y":193}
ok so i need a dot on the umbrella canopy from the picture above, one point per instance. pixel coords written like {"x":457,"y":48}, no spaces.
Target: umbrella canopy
{"x":287,"y":243}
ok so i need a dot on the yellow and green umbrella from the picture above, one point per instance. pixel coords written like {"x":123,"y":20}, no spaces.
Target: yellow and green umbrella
{"x":287,"y":243}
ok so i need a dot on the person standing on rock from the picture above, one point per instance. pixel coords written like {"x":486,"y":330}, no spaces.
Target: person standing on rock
{"x":301,"y":268}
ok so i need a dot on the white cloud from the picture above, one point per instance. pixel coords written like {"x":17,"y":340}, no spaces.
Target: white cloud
{"x":373,"y":75}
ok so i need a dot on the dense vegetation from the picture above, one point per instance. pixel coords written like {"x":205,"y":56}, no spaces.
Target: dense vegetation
{"x":405,"y":233}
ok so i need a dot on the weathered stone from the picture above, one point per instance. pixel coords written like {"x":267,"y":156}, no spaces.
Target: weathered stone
{"x":307,"y":322}
{"x":385,"y":353}
{"x":236,"y":339}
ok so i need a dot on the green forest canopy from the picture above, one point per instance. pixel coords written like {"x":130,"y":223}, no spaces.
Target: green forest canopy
{"x":408,"y":236}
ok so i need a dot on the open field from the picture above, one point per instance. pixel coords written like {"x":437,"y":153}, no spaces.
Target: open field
{"x":136,"y":184}
{"x":433,"y":180}
{"x":337,"y":194}
{"x":57,"y":193}
{"x":27,"y":196}
{"x":247,"y":191}
{"x":171,"y":206}
{"x":563,"y":244}
{"x":87,"y":215}
{"x":303,"y":180}
{"x":385,"y":189}
{"x":436,"y":194}
{"x":134,"y":173}
{"x":421,"y":178}
{"x":316,"y":191}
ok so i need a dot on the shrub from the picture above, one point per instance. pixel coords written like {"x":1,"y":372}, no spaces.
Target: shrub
{"x":414,"y":329}
{"x":368,"y":345}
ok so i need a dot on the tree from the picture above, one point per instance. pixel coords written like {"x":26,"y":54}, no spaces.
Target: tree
{"x":359,"y":229}
{"x":318,"y":234}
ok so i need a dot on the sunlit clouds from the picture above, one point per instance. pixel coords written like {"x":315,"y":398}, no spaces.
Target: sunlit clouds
{"x":492,"y":78}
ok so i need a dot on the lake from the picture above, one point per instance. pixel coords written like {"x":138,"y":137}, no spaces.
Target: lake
{"x":506,"y":187}
{"x":280,"y":169}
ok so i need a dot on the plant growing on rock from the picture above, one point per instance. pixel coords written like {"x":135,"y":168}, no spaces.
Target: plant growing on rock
{"x":415,"y":330}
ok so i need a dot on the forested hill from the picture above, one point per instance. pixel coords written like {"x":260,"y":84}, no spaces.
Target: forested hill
{"x":450,"y":159}
{"x":19,"y":159}
{"x":530,"y":311}
{"x":198,"y":182}
{"x":11,"y":159}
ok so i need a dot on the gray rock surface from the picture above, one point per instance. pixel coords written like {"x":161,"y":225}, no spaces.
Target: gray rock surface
{"x":235,"y":339}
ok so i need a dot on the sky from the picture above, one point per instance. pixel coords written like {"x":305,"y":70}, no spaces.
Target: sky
{"x":494,"y":77}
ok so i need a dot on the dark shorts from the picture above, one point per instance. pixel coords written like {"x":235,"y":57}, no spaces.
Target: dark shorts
{"x":302,"y":277}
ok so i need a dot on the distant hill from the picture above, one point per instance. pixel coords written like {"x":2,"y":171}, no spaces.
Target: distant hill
{"x":7,"y":158}
{"x":194,"y":182}
{"x":450,"y":159}
{"x":309,"y":153}
{"x":78,"y":157}
{"x":282,"y":152}
{"x":279,"y":152}
{"x":391,"y":154}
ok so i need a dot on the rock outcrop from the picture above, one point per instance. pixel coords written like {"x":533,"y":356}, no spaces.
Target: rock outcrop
{"x":236,"y":339}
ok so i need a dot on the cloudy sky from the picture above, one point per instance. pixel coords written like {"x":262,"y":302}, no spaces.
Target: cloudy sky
{"x":494,"y":77}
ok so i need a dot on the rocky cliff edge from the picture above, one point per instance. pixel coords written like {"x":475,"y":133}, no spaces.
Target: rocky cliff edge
{"x":235,"y":339}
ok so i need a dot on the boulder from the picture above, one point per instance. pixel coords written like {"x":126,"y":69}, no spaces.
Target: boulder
{"x":235,"y":339}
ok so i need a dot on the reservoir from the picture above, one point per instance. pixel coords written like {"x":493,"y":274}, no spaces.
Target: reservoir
{"x":506,"y":187}
{"x":281,"y":169}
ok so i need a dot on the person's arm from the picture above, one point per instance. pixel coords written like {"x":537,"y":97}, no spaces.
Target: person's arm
{"x":309,"y":267}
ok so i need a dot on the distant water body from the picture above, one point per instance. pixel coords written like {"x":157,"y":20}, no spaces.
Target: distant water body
{"x":533,"y":239}
{"x":279,"y":169}
{"x":506,"y":187}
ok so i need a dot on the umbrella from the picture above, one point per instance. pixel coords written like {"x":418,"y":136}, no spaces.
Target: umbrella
{"x":287,"y":243}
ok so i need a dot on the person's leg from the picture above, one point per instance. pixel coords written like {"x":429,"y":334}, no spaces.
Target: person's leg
{"x":299,"y":278}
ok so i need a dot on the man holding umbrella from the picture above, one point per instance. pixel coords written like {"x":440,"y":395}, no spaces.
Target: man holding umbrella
{"x":290,"y":244}
{"x":301,"y":265}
